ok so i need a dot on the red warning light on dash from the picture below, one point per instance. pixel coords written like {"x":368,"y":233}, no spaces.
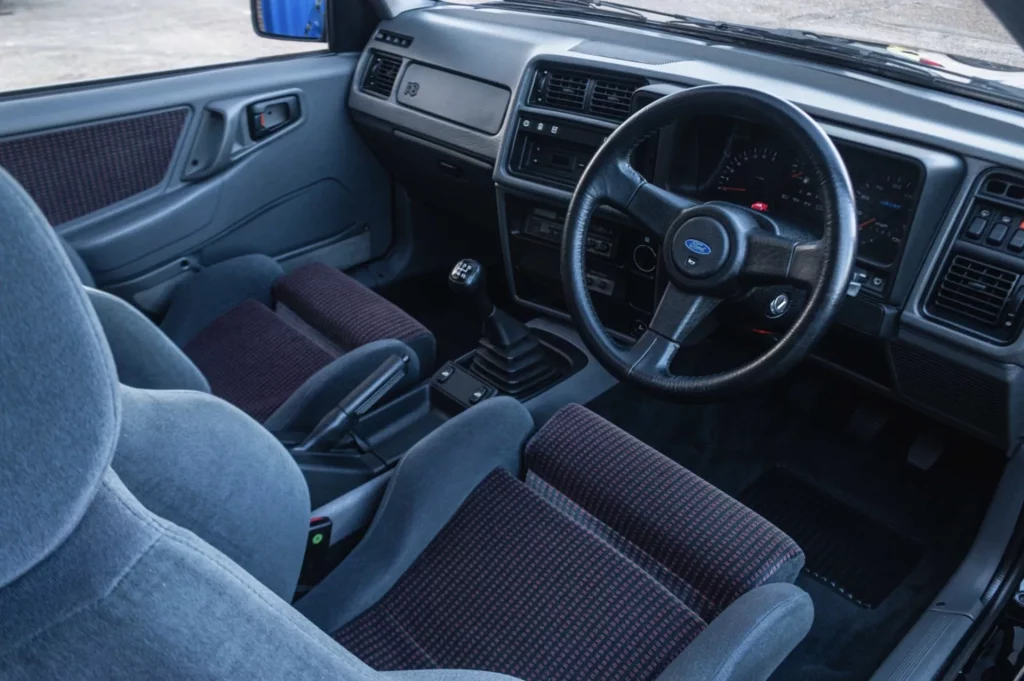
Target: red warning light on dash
{"x":760,"y":206}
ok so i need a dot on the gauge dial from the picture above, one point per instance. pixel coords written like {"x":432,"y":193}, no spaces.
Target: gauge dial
{"x":751,"y":176}
{"x":883,"y":211}
{"x":800,"y":194}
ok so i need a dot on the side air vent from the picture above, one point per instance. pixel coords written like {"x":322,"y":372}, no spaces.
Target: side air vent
{"x":381,"y":73}
{"x":977,"y":294}
{"x":599,"y":95}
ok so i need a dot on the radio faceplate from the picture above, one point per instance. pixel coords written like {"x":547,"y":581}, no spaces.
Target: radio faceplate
{"x":620,"y":259}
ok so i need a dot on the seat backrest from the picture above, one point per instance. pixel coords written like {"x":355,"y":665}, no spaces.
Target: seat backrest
{"x":93,"y":585}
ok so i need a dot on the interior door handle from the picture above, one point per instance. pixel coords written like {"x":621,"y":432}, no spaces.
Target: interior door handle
{"x":272,"y":115}
{"x":229,"y":129}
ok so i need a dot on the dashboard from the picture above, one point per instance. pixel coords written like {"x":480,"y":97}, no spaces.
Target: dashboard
{"x":492,"y":114}
{"x":740,"y":162}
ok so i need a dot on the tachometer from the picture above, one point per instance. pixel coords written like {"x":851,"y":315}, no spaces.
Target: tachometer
{"x":883,"y":211}
{"x":751,"y":176}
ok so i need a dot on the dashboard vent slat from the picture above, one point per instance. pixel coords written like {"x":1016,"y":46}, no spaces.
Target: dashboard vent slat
{"x":564,"y":91}
{"x":612,"y":99}
{"x":976,"y":290}
{"x":587,"y":93}
{"x":381,"y":73}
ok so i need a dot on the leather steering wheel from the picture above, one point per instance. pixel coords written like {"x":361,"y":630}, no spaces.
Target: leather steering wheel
{"x":711,"y":252}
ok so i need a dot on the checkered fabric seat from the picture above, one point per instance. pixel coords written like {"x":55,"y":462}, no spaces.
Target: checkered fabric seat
{"x":596,"y":558}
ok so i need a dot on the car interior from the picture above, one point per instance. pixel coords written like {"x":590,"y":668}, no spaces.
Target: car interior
{"x":498,"y":342}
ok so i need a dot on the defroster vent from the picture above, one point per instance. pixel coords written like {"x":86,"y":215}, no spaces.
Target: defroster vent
{"x":381,"y":73}
{"x":977,"y":295}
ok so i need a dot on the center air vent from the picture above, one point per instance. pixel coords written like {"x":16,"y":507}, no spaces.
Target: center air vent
{"x":599,"y":95}
{"x":381,"y":73}
{"x":977,"y":295}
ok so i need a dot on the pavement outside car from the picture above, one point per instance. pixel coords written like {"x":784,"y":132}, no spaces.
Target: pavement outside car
{"x":49,"y":42}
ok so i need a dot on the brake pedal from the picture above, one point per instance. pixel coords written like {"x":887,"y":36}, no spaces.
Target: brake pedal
{"x":926,"y":449}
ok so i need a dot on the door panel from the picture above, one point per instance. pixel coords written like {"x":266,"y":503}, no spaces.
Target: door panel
{"x":152,"y":178}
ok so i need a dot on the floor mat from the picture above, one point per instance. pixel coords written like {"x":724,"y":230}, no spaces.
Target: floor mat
{"x":851,"y":553}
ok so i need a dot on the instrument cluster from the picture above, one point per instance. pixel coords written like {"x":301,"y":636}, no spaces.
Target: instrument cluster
{"x":744,"y":164}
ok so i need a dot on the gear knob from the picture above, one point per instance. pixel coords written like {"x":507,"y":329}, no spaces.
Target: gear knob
{"x":467,"y":278}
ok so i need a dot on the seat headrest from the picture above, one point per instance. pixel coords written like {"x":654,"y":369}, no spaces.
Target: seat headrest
{"x":59,"y":404}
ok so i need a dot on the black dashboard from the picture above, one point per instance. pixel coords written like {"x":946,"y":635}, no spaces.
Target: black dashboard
{"x":939,"y":183}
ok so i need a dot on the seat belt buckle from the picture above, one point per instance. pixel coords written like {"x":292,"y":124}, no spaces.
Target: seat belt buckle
{"x":318,"y":545}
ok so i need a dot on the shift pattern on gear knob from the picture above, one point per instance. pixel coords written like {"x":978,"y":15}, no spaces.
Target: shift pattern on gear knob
{"x":467,"y":278}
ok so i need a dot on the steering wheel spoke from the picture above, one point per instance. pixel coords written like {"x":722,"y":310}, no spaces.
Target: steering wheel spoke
{"x":680,"y":312}
{"x":653,"y":208}
{"x":772,"y":259}
{"x":651,"y":355}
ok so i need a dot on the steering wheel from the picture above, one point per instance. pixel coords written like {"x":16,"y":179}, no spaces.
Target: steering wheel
{"x":711,"y":252}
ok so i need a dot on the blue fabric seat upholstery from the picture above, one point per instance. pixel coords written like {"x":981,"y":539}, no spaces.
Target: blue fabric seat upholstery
{"x":577,"y":554}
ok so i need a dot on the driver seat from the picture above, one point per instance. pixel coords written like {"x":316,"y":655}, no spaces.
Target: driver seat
{"x":589,"y":556}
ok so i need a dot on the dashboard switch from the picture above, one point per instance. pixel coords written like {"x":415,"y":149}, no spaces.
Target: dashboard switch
{"x":976,"y":228}
{"x":1017,"y":241}
{"x":997,"y":234}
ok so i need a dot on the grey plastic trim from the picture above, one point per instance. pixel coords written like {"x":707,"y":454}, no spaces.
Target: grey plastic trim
{"x":927,"y":647}
{"x":466,"y":101}
{"x":353,"y":512}
{"x":914,"y":316}
{"x":235,"y":142}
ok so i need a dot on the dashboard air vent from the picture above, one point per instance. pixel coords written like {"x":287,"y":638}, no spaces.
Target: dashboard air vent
{"x":976,"y":290}
{"x":381,"y":73}
{"x":562,"y":90}
{"x":612,"y":99}
{"x":596,"y":94}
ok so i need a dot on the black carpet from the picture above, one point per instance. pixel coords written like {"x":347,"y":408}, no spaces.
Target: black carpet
{"x":889,"y":533}
{"x":857,"y":557}
{"x":451,"y":319}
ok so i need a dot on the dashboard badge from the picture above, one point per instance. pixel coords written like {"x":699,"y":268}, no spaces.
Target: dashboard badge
{"x":698,"y":247}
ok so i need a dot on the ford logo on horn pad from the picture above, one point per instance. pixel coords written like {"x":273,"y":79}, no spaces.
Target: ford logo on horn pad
{"x":698,"y":247}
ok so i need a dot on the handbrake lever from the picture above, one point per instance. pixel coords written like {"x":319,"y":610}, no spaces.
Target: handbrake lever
{"x":340,"y":421}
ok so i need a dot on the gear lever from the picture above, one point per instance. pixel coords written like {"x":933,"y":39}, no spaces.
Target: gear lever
{"x":467,"y":278}
{"x":508,"y":356}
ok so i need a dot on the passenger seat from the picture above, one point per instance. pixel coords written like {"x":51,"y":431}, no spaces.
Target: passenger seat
{"x":282,"y":347}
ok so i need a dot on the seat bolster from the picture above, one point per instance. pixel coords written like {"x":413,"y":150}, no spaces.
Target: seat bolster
{"x":81,"y":269}
{"x":428,"y":486}
{"x":749,"y":639}
{"x":324,"y":389}
{"x":144,"y":356}
{"x":202,"y":464}
{"x":199,"y":301}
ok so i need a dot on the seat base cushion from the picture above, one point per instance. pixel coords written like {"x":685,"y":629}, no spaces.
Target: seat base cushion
{"x":512,"y":585}
{"x":254,"y":359}
{"x":348,"y":313}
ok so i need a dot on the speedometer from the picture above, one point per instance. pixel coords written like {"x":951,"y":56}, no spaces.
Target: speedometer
{"x":883,"y":213}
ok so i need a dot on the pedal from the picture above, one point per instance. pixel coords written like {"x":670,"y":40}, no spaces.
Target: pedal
{"x":926,"y":449}
{"x":866,"y":423}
